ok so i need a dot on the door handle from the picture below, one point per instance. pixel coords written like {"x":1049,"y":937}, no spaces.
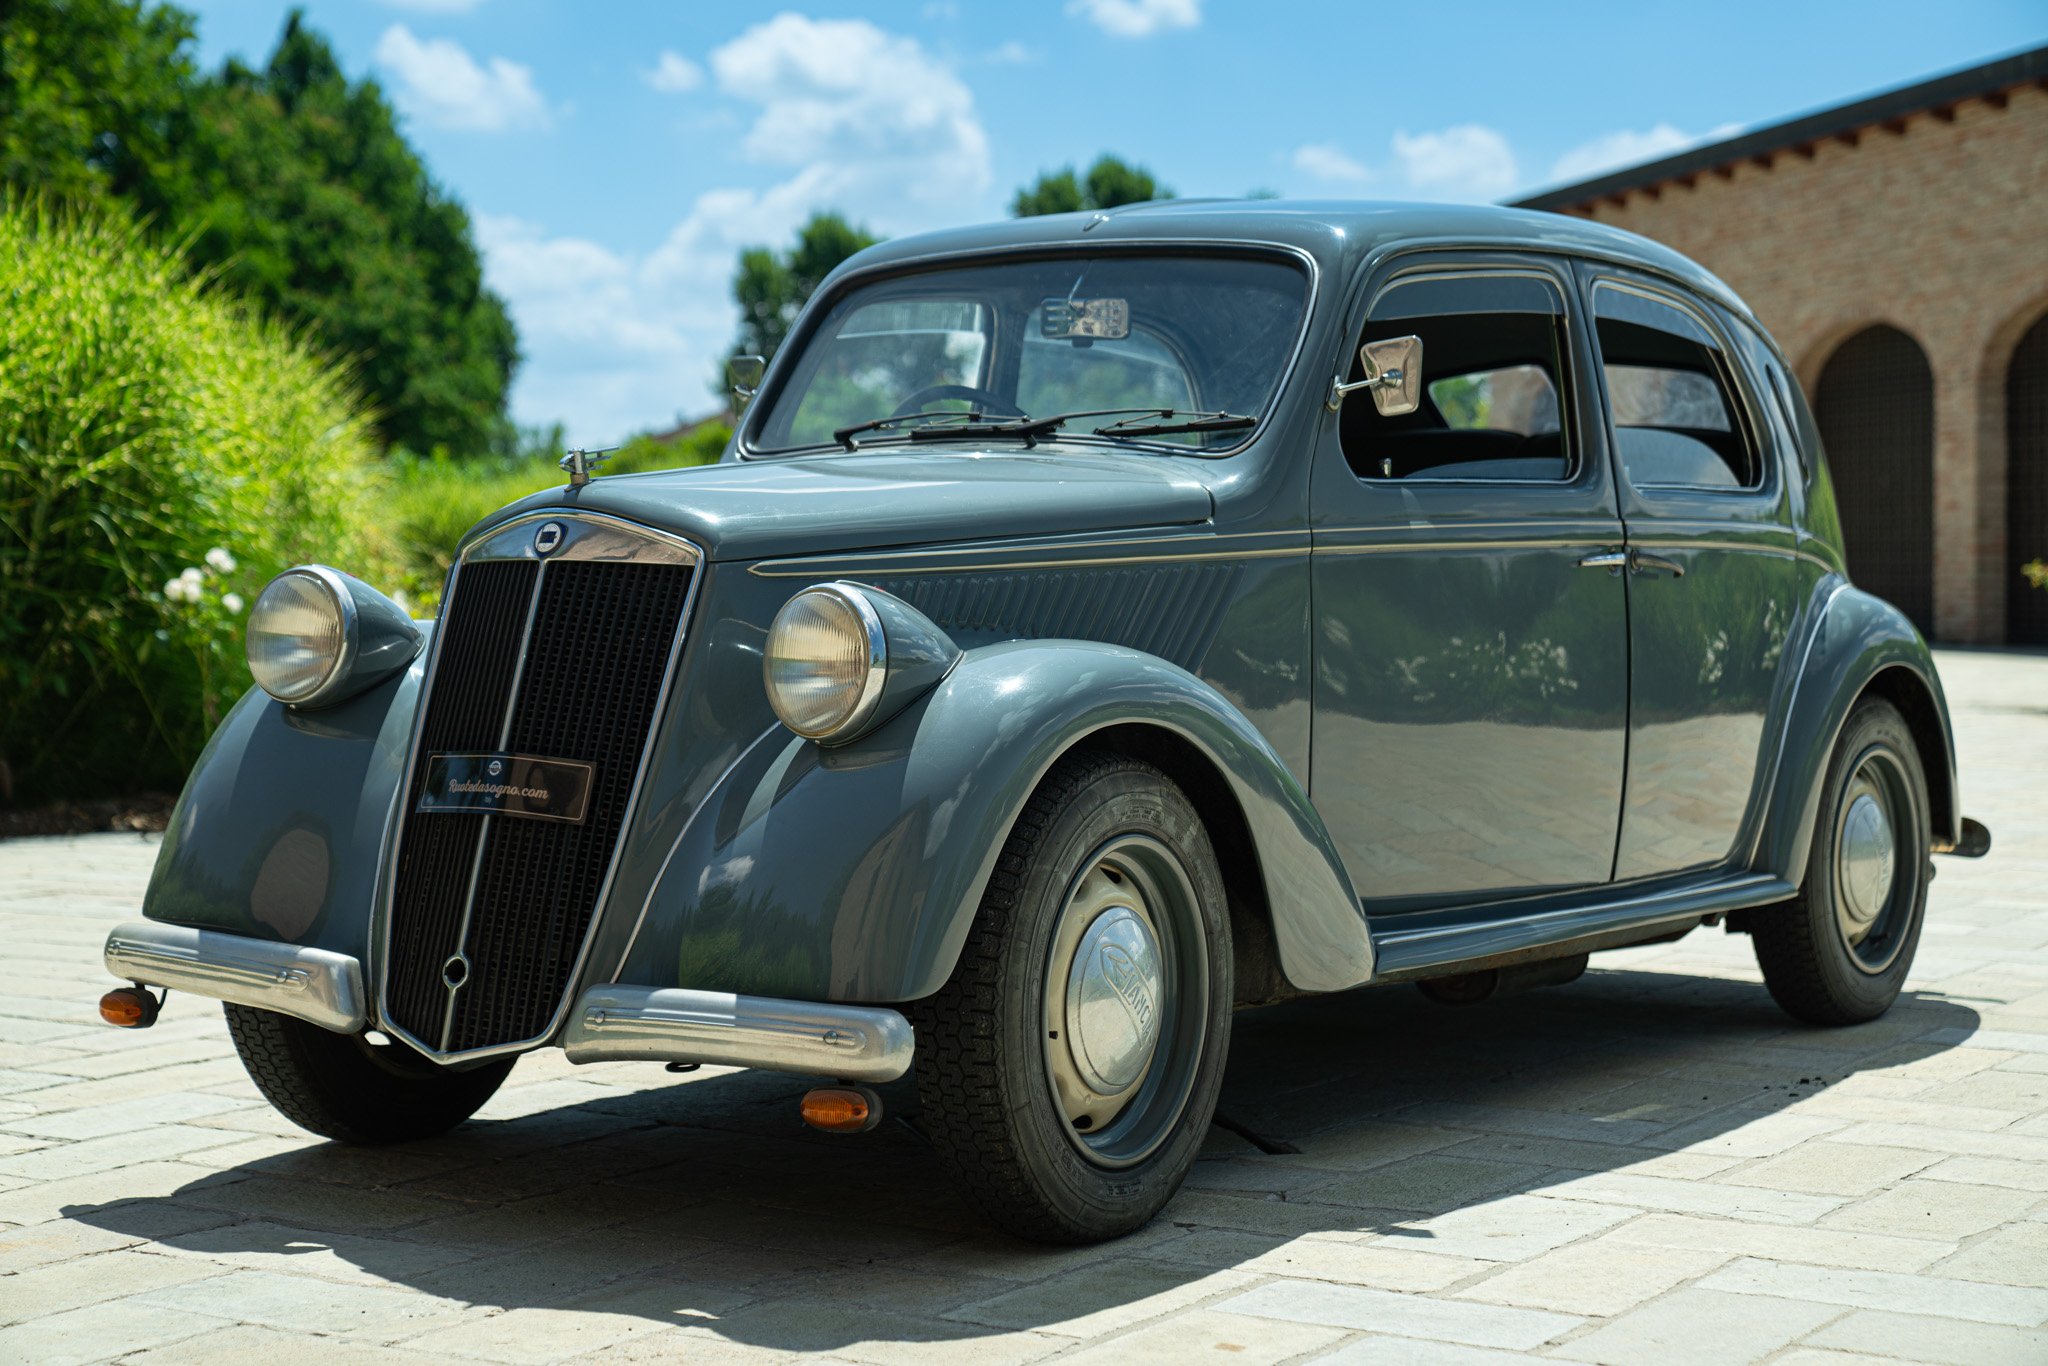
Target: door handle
{"x":1633,"y":560}
{"x":1639,"y":563}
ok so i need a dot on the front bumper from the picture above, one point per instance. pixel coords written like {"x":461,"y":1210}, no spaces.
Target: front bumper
{"x":610,"y":1023}
{"x":312,"y":984}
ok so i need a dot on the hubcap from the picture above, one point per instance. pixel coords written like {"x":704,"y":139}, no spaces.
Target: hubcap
{"x":1866,"y":859}
{"x":1113,"y":1001}
{"x":1874,"y":894}
{"x":1125,"y":990}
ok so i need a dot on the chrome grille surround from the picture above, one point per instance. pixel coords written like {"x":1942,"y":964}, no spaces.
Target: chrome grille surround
{"x":585,"y":537}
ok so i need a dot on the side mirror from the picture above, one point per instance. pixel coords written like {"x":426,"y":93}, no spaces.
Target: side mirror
{"x":1393,"y":375}
{"x":744,"y":374}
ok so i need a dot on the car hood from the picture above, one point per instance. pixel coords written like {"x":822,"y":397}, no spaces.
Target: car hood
{"x":821,"y":504}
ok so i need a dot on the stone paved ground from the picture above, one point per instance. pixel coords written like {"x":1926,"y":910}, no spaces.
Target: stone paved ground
{"x":1650,"y":1165}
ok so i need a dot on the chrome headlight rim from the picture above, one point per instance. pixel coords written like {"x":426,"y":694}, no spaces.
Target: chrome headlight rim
{"x":856,"y":718}
{"x":344,"y":604}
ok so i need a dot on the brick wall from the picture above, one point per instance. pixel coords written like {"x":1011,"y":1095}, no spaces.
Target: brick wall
{"x":1937,"y":226}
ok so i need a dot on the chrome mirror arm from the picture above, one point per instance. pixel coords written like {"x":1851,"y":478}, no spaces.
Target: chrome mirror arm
{"x":1386,"y":379}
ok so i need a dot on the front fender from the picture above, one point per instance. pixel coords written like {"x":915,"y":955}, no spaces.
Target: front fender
{"x":1856,"y":638}
{"x":853,"y":874}
{"x":280,"y":830}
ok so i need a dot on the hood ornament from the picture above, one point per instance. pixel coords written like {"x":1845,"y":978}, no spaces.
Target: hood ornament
{"x":580,"y":463}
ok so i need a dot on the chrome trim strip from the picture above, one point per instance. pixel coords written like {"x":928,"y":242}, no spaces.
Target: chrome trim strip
{"x":681,"y":551}
{"x":847,"y":1043}
{"x":833,"y":568}
{"x":314,"y":985}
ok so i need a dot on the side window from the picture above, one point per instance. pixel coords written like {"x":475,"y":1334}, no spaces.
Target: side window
{"x":1775,"y":392}
{"x":1670,"y":391}
{"x":1494,"y":382}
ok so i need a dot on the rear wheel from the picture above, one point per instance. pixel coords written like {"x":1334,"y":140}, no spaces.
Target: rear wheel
{"x":1069,"y":1069}
{"x":342,"y":1086}
{"x":1839,"y":952}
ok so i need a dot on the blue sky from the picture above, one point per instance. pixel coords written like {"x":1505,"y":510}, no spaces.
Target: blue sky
{"x":616,"y":153}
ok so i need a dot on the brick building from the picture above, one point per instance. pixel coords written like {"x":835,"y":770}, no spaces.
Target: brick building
{"x":1897,"y":248}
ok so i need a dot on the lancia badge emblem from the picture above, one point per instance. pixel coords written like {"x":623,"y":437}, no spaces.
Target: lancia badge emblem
{"x":548,"y":539}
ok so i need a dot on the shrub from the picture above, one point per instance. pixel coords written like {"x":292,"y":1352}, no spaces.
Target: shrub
{"x":163,"y":452}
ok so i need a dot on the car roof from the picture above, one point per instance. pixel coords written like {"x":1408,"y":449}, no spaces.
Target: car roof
{"x":1337,"y":233}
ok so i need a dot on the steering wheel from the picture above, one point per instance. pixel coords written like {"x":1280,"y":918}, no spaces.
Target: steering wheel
{"x":982,"y":399}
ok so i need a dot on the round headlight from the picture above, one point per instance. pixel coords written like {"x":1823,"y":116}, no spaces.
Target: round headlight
{"x":298,"y":635}
{"x":826,"y":661}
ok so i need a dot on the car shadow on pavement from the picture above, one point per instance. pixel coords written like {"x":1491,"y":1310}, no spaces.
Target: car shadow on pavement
{"x":706,"y":1206}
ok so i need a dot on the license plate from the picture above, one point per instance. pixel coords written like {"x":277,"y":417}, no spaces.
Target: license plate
{"x":508,"y":785}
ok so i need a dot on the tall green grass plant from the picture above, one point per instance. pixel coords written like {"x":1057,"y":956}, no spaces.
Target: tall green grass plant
{"x":163,"y":452}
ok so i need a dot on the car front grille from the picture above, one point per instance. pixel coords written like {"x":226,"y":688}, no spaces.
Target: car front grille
{"x":565,"y":658}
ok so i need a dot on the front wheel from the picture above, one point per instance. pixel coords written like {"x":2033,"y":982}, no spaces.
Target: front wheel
{"x":1839,"y":953}
{"x":344,"y":1087}
{"x":1069,"y":1069}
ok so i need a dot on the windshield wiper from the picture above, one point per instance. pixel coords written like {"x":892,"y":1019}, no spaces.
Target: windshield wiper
{"x":1171,"y":420}
{"x":1031,"y":428}
{"x":845,"y":435}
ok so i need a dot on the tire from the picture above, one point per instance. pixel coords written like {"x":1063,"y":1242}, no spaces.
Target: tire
{"x":343,"y":1087}
{"x":1839,"y":952}
{"x":1025,"y":1085}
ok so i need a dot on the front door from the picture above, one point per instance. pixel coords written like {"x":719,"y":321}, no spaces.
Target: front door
{"x":1712,"y":580}
{"x":1471,"y":672}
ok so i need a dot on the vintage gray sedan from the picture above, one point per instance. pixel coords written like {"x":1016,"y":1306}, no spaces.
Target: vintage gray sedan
{"x":1098,"y":623}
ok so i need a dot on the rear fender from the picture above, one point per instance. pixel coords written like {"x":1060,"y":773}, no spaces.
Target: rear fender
{"x":280,"y":831}
{"x":1860,"y":644}
{"x":854,"y":873}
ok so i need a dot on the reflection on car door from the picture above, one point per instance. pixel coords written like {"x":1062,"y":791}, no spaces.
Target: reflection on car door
{"x":1712,"y":579}
{"x":1471,"y":677}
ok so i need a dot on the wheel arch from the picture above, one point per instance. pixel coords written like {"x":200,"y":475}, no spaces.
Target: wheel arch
{"x":1255,"y":953}
{"x":1915,"y":700}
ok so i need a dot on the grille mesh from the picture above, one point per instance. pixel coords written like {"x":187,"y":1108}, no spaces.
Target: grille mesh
{"x":595,"y":661}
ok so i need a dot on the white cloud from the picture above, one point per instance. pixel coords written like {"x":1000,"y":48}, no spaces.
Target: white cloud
{"x":674,"y":74}
{"x":1010,"y":53}
{"x":848,"y":117}
{"x":432,"y":6}
{"x":1138,"y":18}
{"x":440,"y":84}
{"x":1328,"y":162}
{"x":859,"y":109}
{"x":1468,"y":161}
{"x":1626,"y":147}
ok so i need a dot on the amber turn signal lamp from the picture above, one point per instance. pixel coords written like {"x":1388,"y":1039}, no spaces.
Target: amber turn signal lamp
{"x":842,"y":1109}
{"x":129,"y":1007}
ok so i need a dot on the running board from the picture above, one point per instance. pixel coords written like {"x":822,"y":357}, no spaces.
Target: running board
{"x":1434,"y":950}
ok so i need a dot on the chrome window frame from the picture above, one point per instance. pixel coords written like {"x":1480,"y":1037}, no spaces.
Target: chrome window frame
{"x":586,"y":536}
{"x":1558,"y":277}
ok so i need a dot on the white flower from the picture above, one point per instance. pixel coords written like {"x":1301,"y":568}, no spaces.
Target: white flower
{"x":222,"y":562}
{"x":174,"y":590}
{"x":231,"y":601}
{"x":194,"y":577}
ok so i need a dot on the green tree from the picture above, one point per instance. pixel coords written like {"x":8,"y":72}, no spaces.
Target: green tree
{"x":90,"y":90}
{"x":1109,"y":182}
{"x":772,"y":286}
{"x":290,"y":184}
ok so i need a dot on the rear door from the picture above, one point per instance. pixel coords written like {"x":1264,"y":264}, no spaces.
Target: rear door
{"x":1712,"y":583}
{"x":1471,"y":677}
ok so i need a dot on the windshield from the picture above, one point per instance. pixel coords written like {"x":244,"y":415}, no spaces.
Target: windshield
{"x":1181,"y":350}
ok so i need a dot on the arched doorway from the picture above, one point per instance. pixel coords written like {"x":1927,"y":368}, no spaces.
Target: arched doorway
{"x":2026,"y":484}
{"x":1875,"y":406}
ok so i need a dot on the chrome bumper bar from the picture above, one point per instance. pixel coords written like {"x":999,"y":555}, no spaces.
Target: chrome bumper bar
{"x":313,"y":984}
{"x":846,"y":1043}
